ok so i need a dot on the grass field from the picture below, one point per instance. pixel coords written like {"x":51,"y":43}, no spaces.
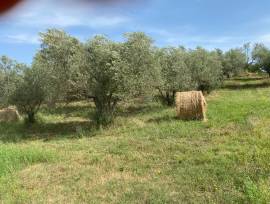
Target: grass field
{"x":146,"y":156}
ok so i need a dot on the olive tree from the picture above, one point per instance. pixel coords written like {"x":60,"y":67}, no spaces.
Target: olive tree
{"x":29,"y":94}
{"x":206,"y":69}
{"x":117,"y":71}
{"x":10,"y":76}
{"x":175,"y":75}
{"x":58,"y":58}
{"x":106,"y":77}
{"x":234,"y":62}
{"x":261,"y":57}
{"x":138,"y":52}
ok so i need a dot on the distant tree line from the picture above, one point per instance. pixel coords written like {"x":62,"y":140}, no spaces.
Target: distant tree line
{"x":65,"y":69}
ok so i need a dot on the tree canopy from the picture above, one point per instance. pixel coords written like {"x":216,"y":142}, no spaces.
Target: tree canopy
{"x":109,"y":72}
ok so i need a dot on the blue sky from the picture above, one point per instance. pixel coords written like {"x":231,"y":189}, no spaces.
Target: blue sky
{"x":209,"y":23}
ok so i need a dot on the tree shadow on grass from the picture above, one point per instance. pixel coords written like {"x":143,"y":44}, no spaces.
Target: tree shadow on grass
{"x":162,"y":119}
{"x":70,"y":110}
{"x":169,"y":118}
{"x":246,"y":79}
{"x":19,"y":132}
{"x":247,"y":86}
{"x":141,"y":109}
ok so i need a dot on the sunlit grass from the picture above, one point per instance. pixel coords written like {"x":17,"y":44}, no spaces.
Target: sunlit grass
{"x":13,"y":157}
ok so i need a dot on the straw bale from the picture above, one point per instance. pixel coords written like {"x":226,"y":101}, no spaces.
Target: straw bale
{"x":9,"y":114}
{"x":190,"y":105}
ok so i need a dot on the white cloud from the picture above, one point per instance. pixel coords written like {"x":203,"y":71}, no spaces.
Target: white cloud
{"x":200,"y":39}
{"x":185,"y":35}
{"x":36,"y":16}
{"x":64,"y":20}
{"x":52,"y":14}
{"x":21,"y":38}
{"x":265,"y":38}
{"x":23,"y":25}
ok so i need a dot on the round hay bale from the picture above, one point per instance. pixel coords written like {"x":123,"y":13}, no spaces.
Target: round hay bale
{"x":190,"y":105}
{"x":9,"y":114}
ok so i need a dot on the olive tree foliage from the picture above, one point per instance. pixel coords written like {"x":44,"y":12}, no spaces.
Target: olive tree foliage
{"x":59,"y":59}
{"x":10,"y":77}
{"x":29,"y":94}
{"x":206,"y":69}
{"x":261,"y":57}
{"x":107,"y":77}
{"x":234,"y":62}
{"x":117,"y":71}
{"x":174,"y":73}
{"x":138,"y":52}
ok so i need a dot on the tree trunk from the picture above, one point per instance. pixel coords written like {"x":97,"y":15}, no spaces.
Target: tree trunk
{"x":105,"y":109}
{"x":31,"y":118}
{"x":170,"y":98}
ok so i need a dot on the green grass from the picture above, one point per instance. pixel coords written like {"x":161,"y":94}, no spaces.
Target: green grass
{"x":146,"y":156}
{"x":13,"y":158}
